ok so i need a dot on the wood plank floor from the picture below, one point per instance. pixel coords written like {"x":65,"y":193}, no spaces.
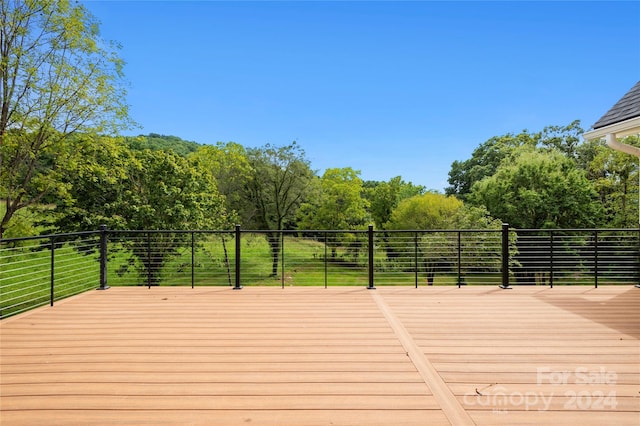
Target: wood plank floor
{"x":316,"y":356}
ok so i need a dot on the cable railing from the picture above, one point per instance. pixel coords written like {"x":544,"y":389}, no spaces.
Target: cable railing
{"x":180,"y":258}
{"x":577,"y":256}
{"x":36,"y":271}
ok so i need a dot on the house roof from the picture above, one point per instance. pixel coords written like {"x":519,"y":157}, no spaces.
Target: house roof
{"x":623,"y":119}
{"x":626,"y":108}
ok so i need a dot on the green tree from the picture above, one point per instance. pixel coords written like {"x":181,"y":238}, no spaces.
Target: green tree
{"x":166,"y":192}
{"x":484,"y":162}
{"x":143,"y":190}
{"x":586,"y":152}
{"x":426,"y":212}
{"x":94,"y":187}
{"x":155,"y":141}
{"x":57,"y":78}
{"x":280,"y":179}
{"x":565,"y":139}
{"x":539,"y":190}
{"x":339,"y":203}
{"x":228,"y":165}
{"x":615,"y":177}
{"x":486,"y":159}
{"x":384,"y":198}
{"x":438,"y":250}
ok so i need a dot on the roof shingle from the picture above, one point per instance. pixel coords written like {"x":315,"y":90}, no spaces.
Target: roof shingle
{"x":626,"y":108}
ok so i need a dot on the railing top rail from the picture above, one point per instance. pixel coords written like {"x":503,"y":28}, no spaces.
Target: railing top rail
{"x":306,"y":231}
{"x":170,"y":231}
{"x":309,"y":231}
{"x":575,"y":229}
{"x":48,"y":236}
{"x":439,"y":230}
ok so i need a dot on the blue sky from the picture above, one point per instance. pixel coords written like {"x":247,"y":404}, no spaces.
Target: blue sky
{"x":387,"y":88}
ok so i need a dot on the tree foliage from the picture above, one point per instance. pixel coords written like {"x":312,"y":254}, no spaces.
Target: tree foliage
{"x":384,"y":198}
{"x":427,"y":211}
{"x":57,"y":78}
{"x":338,"y":204}
{"x":165,"y":191}
{"x":142,"y":190}
{"x":157,"y":142}
{"x":486,"y":159}
{"x":615,"y":177}
{"x":229,"y":166}
{"x":438,"y":251}
{"x":484,"y":162}
{"x":539,"y":190}
{"x":95,"y":187}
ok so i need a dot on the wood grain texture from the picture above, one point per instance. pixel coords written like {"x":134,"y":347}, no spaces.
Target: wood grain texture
{"x":315,"y":356}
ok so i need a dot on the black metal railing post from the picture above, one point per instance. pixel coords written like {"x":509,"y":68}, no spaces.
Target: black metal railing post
{"x":149,"y":260}
{"x":52,"y":247}
{"x":459,"y":259}
{"x":415,"y":256}
{"x":326,"y":265}
{"x":595,"y":256}
{"x":193,"y":259}
{"x":551,"y":254}
{"x":237,"y":286}
{"x":282,"y":257}
{"x":638,"y":268}
{"x":505,"y":256}
{"x":371,"y":285}
{"x":103,"y":258}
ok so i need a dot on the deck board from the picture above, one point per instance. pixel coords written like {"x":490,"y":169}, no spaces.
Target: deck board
{"x":315,"y":356}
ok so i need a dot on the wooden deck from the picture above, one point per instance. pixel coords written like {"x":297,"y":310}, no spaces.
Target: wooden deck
{"x":336,"y":356}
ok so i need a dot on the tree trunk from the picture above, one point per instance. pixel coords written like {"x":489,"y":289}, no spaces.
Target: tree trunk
{"x":226,"y":259}
{"x":274,"y":244}
{"x":431,"y":273}
{"x":430,"y":277}
{"x":8,"y":214}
